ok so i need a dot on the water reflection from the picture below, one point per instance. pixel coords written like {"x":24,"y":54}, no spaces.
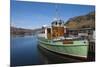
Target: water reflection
{"x":24,"y":51}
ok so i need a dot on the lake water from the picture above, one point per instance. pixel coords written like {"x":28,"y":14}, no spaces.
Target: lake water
{"x":25,"y":51}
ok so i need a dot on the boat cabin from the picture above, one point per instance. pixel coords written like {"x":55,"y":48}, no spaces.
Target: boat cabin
{"x":56,"y":30}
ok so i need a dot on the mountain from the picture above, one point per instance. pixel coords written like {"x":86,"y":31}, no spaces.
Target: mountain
{"x":22,"y":31}
{"x":84,"y":21}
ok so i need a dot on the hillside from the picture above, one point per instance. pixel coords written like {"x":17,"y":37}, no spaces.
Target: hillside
{"x":22,"y":31}
{"x":85,"y":21}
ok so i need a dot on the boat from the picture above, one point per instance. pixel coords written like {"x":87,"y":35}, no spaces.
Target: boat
{"x":57,"y":39}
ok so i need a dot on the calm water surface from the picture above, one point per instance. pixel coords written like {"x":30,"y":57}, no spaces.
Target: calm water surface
{"x":24,"y":51}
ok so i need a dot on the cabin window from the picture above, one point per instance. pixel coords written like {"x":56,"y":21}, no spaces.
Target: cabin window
{"x":49,"y":30}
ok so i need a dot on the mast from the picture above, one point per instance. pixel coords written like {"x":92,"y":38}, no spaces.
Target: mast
{"x":56,"y":12}
{"x":55,"y":19}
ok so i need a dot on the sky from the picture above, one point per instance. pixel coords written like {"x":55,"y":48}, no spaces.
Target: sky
{"x":32,"y":15}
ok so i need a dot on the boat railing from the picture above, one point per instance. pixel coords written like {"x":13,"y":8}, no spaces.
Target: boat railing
{"x":70,"y":38}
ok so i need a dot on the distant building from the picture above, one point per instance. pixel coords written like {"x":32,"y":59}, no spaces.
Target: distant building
{"x":85,"y":32}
